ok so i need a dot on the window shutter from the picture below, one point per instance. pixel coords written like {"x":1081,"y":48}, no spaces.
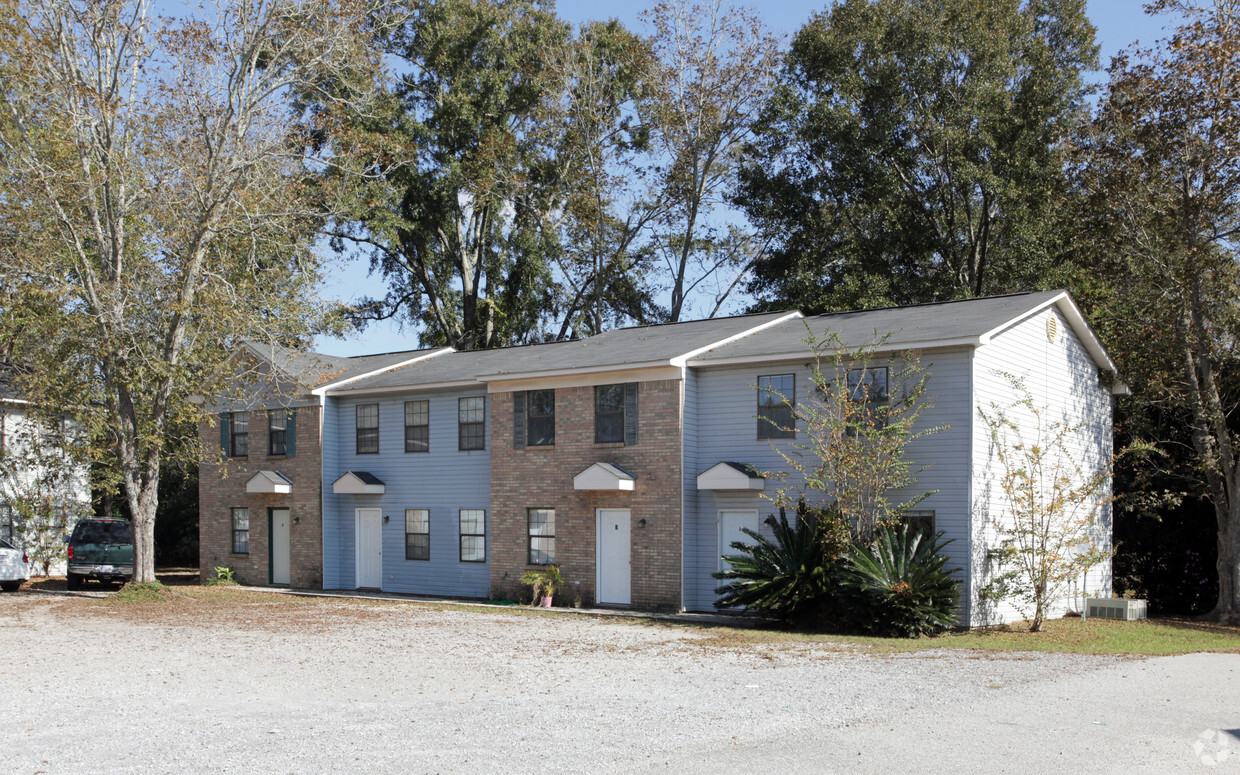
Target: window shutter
{"x":630,"y":413}
{"x":290,"y":433}
{"x":224,"y":419}
{"x":518,"y":419}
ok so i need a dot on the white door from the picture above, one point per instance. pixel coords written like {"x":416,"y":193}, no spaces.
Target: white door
{"x":613,"y":557}
{"x":279,"y":546}
{"x":369,"y":569}
{"x":730,"y":524}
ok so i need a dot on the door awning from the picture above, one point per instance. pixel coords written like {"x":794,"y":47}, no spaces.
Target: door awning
{"x":604,"y":476}
{"x":726,"y":475}
{"x":270,"y":482}
{"x":358,"y":483}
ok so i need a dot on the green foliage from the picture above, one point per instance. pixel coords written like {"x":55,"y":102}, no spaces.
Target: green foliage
{"x":901,"y":585}
{"x":853,"y":432}
{"x":543,"y":581}
{"x":914,"y":151}
{"x":1049,"y":502}
{"x":221,"y":575}
{"x":141,"y":592}
{"x":1161,"y":166}
{"x":445,"y":181}
{"x":790,"y":574}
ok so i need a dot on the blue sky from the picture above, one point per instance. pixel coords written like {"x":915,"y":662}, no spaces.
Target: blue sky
{"x":1119,"y":22}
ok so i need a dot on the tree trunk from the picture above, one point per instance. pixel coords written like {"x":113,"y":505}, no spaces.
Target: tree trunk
{"x":144,"y":543}
{"x":1227,"y":610}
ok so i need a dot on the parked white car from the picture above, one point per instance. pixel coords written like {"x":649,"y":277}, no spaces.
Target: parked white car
{"x":14,"y":566}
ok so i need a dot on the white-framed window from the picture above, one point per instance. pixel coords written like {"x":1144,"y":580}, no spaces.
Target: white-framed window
{"x":241,"y":530}
{"x":417,"y":534}
{"x":921,"y":521}
{"x":417,"y":426}
{"x":239,"y":434}
{"x":777,"y":394}
{"x":367,"y":429}
{"x":473,"y":535}
{"x":471,"y":423}
{"x":541,"y":524}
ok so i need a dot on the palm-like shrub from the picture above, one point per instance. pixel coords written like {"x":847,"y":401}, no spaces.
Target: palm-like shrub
{"x":788,"y":575}
{"x":900,"y":585}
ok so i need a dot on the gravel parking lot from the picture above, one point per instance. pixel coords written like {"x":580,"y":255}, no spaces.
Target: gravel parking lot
{"x":279,"y":684}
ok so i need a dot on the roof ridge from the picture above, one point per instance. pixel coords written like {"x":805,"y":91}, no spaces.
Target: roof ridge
{"x":939,"y":303}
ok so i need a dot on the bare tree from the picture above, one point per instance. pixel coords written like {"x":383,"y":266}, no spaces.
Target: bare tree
{"x":154,"y":193}
{"x":717,"y":66}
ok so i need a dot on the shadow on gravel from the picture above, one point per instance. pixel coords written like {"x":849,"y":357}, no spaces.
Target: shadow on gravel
{"x":172,"y":577}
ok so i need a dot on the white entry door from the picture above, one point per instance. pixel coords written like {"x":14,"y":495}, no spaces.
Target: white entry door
{"x":279,"y":546}
{"x":730,"y":524}
{"x":614,"y":572}
{"x":369,"y":569}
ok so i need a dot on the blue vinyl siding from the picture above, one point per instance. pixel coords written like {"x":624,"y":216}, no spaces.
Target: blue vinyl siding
{"x":725,"y":428}
{"x":443,"y":480}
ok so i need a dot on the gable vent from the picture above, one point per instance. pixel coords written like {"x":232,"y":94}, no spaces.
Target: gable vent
{"x":1052,"y":328}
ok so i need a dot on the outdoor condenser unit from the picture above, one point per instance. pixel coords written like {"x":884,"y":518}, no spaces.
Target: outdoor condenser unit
{"x":1114,"y":608}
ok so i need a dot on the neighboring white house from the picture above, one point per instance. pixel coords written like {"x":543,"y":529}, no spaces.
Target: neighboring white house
{"x":43,"y":492}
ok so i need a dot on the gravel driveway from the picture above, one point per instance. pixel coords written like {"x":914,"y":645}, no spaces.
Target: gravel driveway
{"x":340,"y":686}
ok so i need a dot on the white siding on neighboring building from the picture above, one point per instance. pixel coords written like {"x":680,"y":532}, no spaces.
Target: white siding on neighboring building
{"x":34,"y":468}
{"x":1061,"y":378}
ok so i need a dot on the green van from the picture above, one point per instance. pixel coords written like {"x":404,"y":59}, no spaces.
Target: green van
{"x":100,"y":549}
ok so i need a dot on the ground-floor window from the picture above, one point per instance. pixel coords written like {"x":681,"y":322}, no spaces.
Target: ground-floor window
{"x":473,"y":535}
{"x":241,"y":531}
{"x":920,"y":521}
{"x":417,"y":534}
{"x":542,"y":536}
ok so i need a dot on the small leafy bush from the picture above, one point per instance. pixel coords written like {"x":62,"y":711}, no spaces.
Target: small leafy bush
{"x":223,"y":576}
{"x":789,"y":575}
{"x":545,"y":581}
{"x":899,"y":584}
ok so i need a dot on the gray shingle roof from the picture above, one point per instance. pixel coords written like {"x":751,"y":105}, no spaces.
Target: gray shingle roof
{"x":316,"y":369}
{"x":621,"y":347}
{"x":908,"y":326}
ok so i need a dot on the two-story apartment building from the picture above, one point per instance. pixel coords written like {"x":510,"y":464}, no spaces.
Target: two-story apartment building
{"x":631,"y":459}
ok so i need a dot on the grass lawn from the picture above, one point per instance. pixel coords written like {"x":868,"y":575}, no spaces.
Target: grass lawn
{"x":1156,"y":637}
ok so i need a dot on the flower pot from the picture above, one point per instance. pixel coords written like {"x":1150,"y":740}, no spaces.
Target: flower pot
{"x":546,"y":601}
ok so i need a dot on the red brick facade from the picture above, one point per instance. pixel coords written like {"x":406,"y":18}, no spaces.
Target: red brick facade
{"x":542,"y":477}
{"x":221,"y":488}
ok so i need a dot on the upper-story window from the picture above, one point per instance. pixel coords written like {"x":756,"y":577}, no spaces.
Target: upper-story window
{"x":615,"y":413}
{"x":278,"y":421}
{"x":471,"y":423}
{"x":776,"y":397}
{"x":367,"y":429}
{"x":417,"y":426}
{"x":868,"y":388}
{"x":540,"y":418}
{"x":239,"y":434}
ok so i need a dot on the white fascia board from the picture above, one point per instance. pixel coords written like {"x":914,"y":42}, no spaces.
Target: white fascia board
{"x":572,"y":372}
{"x":402,"y":388}
{"x":888,"y":346}
{"x":682,"y":360}
{"x":322,"y":389}
{"x":1067,"y":307}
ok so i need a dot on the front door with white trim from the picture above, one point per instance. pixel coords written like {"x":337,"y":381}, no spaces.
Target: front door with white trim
{"x":369,"y":542}
{"x":730,"y":524}
{"x":614,"y":572}
{"x":280,"y":535}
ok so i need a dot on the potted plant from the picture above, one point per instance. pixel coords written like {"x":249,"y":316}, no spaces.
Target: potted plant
{"x":545,"y":581}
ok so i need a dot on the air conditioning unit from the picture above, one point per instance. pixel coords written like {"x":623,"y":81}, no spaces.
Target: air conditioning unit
{"x":1114,"y":608}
